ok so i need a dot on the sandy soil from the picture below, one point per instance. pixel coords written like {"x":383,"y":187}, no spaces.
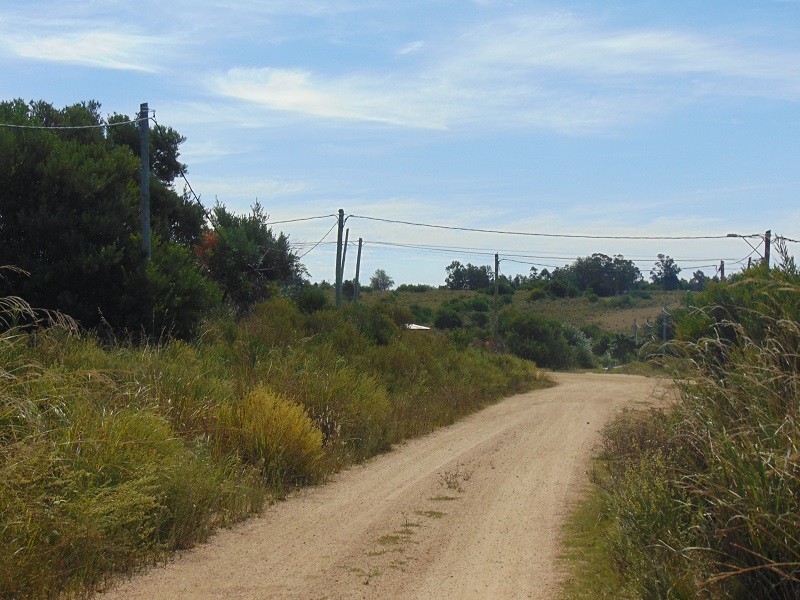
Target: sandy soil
{"x":470,"y":511}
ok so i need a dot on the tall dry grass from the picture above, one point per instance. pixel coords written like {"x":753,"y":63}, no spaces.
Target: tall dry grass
{"x":704,"y":499}
{"x":111,"y":457}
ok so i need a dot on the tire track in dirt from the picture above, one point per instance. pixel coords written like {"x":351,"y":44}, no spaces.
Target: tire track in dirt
{"x":471,"y":511}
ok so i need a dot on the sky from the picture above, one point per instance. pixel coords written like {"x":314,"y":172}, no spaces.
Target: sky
{"x":605,"y":119}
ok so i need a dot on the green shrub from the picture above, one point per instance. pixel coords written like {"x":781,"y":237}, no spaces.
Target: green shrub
{"x":447,"y":318}
{"x":379,"y":325}
{"x":535,"y":338}
{"x":421,"y":314}
{"x":623,"y":302}
{"x":311,"y":299}
{"x":478,"y":304}
{"x":415,"y":288}
{"x":537,"y":293}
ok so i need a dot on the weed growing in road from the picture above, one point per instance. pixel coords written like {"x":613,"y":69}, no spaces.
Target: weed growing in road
{"x":452,"y":479}
{"x":431,"y":514}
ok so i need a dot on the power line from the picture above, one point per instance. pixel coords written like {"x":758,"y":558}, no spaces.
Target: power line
{"x":537,"y":234}
{"x":335,"y":223}
{"x":197,"y":198}
{"x":181,"y":170}
{"x":476,"y":251}
{"x":68,"y":127}
{"x":300,"y":219}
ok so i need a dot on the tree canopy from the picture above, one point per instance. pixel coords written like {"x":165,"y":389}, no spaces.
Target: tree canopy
{"x":665,"y":273}
{"x":243,"y":255}
{"x":468,"y":277}
{"x":381,"y":281}
{"x":69,"y":216}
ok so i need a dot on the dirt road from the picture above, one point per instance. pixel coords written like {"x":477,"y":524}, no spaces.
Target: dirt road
{"x":471,"y":511}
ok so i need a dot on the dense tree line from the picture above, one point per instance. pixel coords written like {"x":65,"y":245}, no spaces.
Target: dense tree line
{"x":598,"y":275}
{"x":69,"y":217}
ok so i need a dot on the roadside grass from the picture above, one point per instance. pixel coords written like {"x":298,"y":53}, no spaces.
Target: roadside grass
{"x":114,"y":456}
{"x":702,"y":499}
{"x":655,"y":367}
{"x":586,"y":548}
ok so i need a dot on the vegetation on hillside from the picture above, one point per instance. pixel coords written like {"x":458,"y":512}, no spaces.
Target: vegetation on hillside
{"x":702,"y":499}
{"x":69,"y":212}
{"x":558,"y":333}
{"x":111,"y":456}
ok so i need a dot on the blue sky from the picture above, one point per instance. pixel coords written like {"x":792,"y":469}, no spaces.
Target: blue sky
{"x":578,"y":118}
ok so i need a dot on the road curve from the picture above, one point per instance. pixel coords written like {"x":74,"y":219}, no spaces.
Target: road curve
{"x":471,"y":511}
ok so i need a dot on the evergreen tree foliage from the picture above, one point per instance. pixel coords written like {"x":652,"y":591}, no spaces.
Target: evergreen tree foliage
{"x":244,"y":257}
{"x":69,"y":216}
{"x":665,"y":273}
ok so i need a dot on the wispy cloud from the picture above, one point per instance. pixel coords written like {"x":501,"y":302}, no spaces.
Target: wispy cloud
{"x":107,"y":45}
{"x":248,"y":190}
{"x":356,"y":98}
{"x":549,"y":71}
{"x":411,"y":48}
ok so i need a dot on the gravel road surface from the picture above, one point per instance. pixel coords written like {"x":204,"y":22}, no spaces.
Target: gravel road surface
{"x":471,"y":511}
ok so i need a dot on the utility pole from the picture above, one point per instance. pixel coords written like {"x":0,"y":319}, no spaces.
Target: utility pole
{"x":144,"y":181}
{"x":722,"y":270}
{"x":496,"y":297}
{"x":767,"y":245}
{"x":664,"y":330}
{"x":635,"y":333}
{"x":339,"y":258}
{"x":344,"y":249}
{"x":356,"y":284}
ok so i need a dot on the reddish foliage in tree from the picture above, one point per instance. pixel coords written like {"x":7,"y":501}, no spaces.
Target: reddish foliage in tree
{"x":208,"y":243}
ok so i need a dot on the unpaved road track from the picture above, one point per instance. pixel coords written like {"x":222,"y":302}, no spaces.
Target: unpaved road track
{"x":470,"y":511}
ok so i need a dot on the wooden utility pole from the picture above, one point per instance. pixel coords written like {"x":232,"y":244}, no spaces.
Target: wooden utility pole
{"x":664,"y":330}
{"x":722,"y":270}
{"x":144,"y":179}
{"x":356,"y":284}
{"x":339,"y":258}
{"x":496,"y":297}
{"x":344,"y":249}
{"x":767,"y":246}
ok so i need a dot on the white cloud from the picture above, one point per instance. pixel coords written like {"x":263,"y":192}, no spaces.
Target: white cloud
{"x":248,"y":190}
{"x":549,"y":71}
{"x":356,"y":98}
{"x":103,"y":46}
{"x":411,"y":48}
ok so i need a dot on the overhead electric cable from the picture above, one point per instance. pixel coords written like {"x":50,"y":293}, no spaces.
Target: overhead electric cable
{"x":335,"y":223}
{"x":181,"y":171}
{"x":515,"y":253}
{"x":537,"y":234}
{"x":741,"y":261}
{"x":65,"y":127}
{"x":299,"y":219}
